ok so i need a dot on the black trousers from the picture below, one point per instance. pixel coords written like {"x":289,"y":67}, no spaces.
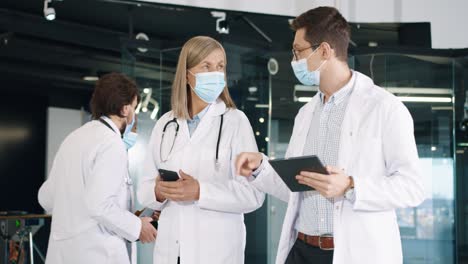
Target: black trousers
{"x":302,"y":253}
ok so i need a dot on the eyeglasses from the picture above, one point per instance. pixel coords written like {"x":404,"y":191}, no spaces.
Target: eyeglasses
{"x":297,"y":52}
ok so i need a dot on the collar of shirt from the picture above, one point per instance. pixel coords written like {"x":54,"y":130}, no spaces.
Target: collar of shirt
{"x":342,"y":93}
{"x":112,"y":124}
{"x":200,"y":115}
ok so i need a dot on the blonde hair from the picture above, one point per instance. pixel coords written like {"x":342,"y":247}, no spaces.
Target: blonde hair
{"x":193,"y":52}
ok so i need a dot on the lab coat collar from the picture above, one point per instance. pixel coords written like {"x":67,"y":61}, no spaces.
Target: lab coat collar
{"x":360,"y":88}
{"x":112,"y":124}
{"x":358,"y":97}
{"x":200,"y":115}
{"x":217,"y":108}
{"x":355,"y":112}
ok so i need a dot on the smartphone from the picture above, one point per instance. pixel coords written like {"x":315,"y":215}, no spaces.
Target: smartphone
{"x":145,"y":212}
{"x":167,"y":175}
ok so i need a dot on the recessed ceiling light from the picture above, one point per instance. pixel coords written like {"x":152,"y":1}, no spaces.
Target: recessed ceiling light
{"x":90,"y":78}
{"x":49,"y":12}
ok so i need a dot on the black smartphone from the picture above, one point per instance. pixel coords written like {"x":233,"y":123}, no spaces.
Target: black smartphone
{"x":167,"y":175}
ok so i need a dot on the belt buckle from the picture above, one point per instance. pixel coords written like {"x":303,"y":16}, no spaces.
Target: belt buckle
{"x":320,"y":241}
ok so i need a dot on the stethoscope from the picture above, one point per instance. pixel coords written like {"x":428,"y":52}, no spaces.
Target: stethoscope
{"x":174,"y":120}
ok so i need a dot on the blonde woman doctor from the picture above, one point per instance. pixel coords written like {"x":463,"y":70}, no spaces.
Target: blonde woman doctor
{"x":202,"y":213}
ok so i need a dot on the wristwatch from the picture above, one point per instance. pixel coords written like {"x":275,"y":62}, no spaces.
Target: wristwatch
{"x":349,"y":193}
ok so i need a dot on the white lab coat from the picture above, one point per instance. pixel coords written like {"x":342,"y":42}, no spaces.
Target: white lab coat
{"x":88,"y":196}
{"x":378,"y":149}
{"x":210,"y":230}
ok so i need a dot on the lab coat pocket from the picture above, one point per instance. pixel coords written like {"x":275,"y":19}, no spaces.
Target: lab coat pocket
{"x":116,"y":250}
{"x":223,"y":233}
{"x":370,"y":230}
{"x":164,"y":238}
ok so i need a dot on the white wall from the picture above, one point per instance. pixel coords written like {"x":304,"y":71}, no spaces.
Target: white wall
{"x":448,"y":19}
{"x":60,"y":123}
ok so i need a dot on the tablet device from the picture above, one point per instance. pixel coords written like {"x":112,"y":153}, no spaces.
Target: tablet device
{"x":147,"y":212}
{"x":167,"y":175}
{"x":287,"y":169}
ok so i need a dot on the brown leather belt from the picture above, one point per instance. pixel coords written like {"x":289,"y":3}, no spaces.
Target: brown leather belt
{"x":324,"y":242}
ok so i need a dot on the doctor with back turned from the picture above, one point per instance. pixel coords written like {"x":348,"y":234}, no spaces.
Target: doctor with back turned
{"x":88,"y":191}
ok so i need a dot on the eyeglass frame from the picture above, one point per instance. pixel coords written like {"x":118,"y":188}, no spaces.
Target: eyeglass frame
{"x":294,"y":51}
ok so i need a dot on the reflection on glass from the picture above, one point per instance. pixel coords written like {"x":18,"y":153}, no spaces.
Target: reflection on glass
{"x":425,"y":85}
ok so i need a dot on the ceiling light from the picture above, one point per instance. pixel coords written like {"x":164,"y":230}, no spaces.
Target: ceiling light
{"x":137,"y":111}
{"x":262,"y":106}
{"x":49,"y":12}
{"x":223,"y":27}
{"x":425,"y":99}
{"x":142,"y":37}
{"x":90,"y":78}
{"x":154,"y":113}
{"x":304,"y":90}
{"x":252,"y":89}
{"x":304,"y":99}
{"x":221,"y":24}
{"x":464,"y":125}
{"x":419,"y":90}
{"x":155,"y":109}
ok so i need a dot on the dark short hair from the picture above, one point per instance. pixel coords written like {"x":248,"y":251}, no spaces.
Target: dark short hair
{"x":112,"y":92}
{"x":325,"y":24}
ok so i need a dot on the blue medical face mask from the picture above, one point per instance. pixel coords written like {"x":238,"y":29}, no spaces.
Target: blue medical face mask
{"x":128,"y":127}
{"x":303,"y":74}
{"x":130,"y":139}
{"x":209,"y":85}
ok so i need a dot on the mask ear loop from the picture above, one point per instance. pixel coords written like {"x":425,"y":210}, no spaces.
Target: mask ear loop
{"x":312,"y":53}
{"x":320,"y":66}
{"x":308,"y":57}
{"x":318,"y":69}
{"x":192,"y":88}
